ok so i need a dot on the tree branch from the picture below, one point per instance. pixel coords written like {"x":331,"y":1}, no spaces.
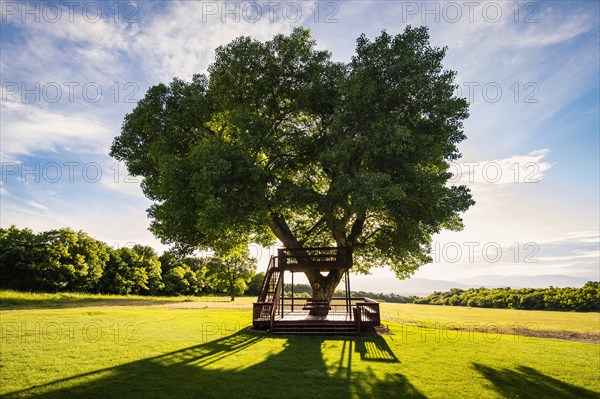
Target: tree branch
{"x":357,"y":227}
{"x":280,"y":228}
{"x":369,"y":236}
{"x":318,"y":224}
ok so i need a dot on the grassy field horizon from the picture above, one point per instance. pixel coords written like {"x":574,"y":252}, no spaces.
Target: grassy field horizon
{"x":138,"y":347}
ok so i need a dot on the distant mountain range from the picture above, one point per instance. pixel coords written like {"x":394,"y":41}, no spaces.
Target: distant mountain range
{"x":423,"y":286}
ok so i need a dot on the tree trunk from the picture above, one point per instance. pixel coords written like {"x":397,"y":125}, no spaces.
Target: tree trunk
{"x":323,"y":287}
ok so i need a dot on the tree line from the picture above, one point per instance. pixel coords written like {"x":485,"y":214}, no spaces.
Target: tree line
{"x":305,"y":291}
{"x":584,"y":299}
{"x":66,"y":260}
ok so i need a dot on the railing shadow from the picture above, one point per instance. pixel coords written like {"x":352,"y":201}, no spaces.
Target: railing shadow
{"x":528,"y":383}
{"x":298,"y":370}
{"x":375,"y":349}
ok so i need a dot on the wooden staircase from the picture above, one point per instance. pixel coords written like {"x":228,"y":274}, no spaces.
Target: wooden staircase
{"x":266,"y":306}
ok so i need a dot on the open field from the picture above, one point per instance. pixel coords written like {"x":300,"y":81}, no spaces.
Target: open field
{"x":16,"y":300}
{"x":503,"y":319}
{"x":166,"y":347}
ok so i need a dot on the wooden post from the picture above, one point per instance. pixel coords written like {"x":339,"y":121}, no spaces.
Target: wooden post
{"x":357,"y":319}
{"x":292,"y":292}
{"x":348,"y":301}
{"x":282,"y":291}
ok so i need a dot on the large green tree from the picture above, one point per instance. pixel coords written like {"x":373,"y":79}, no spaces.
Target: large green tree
{"x":230,"y":273}
{"x":55,"y":260}
{"x":280,"y":141}
{"x":21,"y":250}
{"x":72,"y":261}
{"x":255,"y":284}
{"x":182,"y":276}
{"x":132,"y":271}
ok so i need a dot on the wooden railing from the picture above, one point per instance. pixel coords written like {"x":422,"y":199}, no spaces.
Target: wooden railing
{"x":337,"y":304}
{"x":268,"y":284}
{"x":365,"y":311}
{"x":366,"y":314}
{"x":276,"y":304}
{"x":261,"y":313}
{"x":315,"y":258}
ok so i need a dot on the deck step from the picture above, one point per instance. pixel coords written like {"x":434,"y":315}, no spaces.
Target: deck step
{"x":346,"y":332}
{"x":314,"y":329}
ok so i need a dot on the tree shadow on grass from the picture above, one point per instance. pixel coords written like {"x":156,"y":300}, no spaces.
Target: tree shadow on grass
{"x":527,"y":383}
{"x":298,"y":370}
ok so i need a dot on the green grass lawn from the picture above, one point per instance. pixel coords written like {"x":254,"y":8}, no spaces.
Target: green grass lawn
{"x":505,"y":319}
{"x":168,"y":348}
{"x":14,"y":299}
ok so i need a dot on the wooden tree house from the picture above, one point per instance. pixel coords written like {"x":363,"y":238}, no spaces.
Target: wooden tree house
{"x":290,"y":315}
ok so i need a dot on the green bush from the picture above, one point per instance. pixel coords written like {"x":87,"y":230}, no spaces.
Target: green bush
{"x":583,"y":299}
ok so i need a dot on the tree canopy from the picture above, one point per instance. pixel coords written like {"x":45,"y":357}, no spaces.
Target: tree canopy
{"x":279,"y":141}
{"x":231,"y":273}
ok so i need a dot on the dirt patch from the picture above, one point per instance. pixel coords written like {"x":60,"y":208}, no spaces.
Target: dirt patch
{"x":564,"y":335}
{"x":210,"y":304}
{"x":184,"y":306}
{"x":382,"y":330}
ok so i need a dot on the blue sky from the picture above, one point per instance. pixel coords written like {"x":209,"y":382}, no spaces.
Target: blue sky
{"x":72,"y":70}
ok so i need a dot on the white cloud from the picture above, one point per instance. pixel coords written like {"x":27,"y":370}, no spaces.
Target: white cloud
{"x":37,"y":205}
{"x":31,"y":128}
{"x":515,"y":74}
{"x":564,"y":29}
{"x":181,"y":41}
{"x":66,"y":51}
{"x":103,"y":57}
{"x":573,"y":255}
{"x":116,"y":178}
{"x":529,"y":168}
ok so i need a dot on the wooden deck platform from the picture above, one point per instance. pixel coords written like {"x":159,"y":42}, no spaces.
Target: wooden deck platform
{"x":304,"y":316}
{"x":290,"y":315}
